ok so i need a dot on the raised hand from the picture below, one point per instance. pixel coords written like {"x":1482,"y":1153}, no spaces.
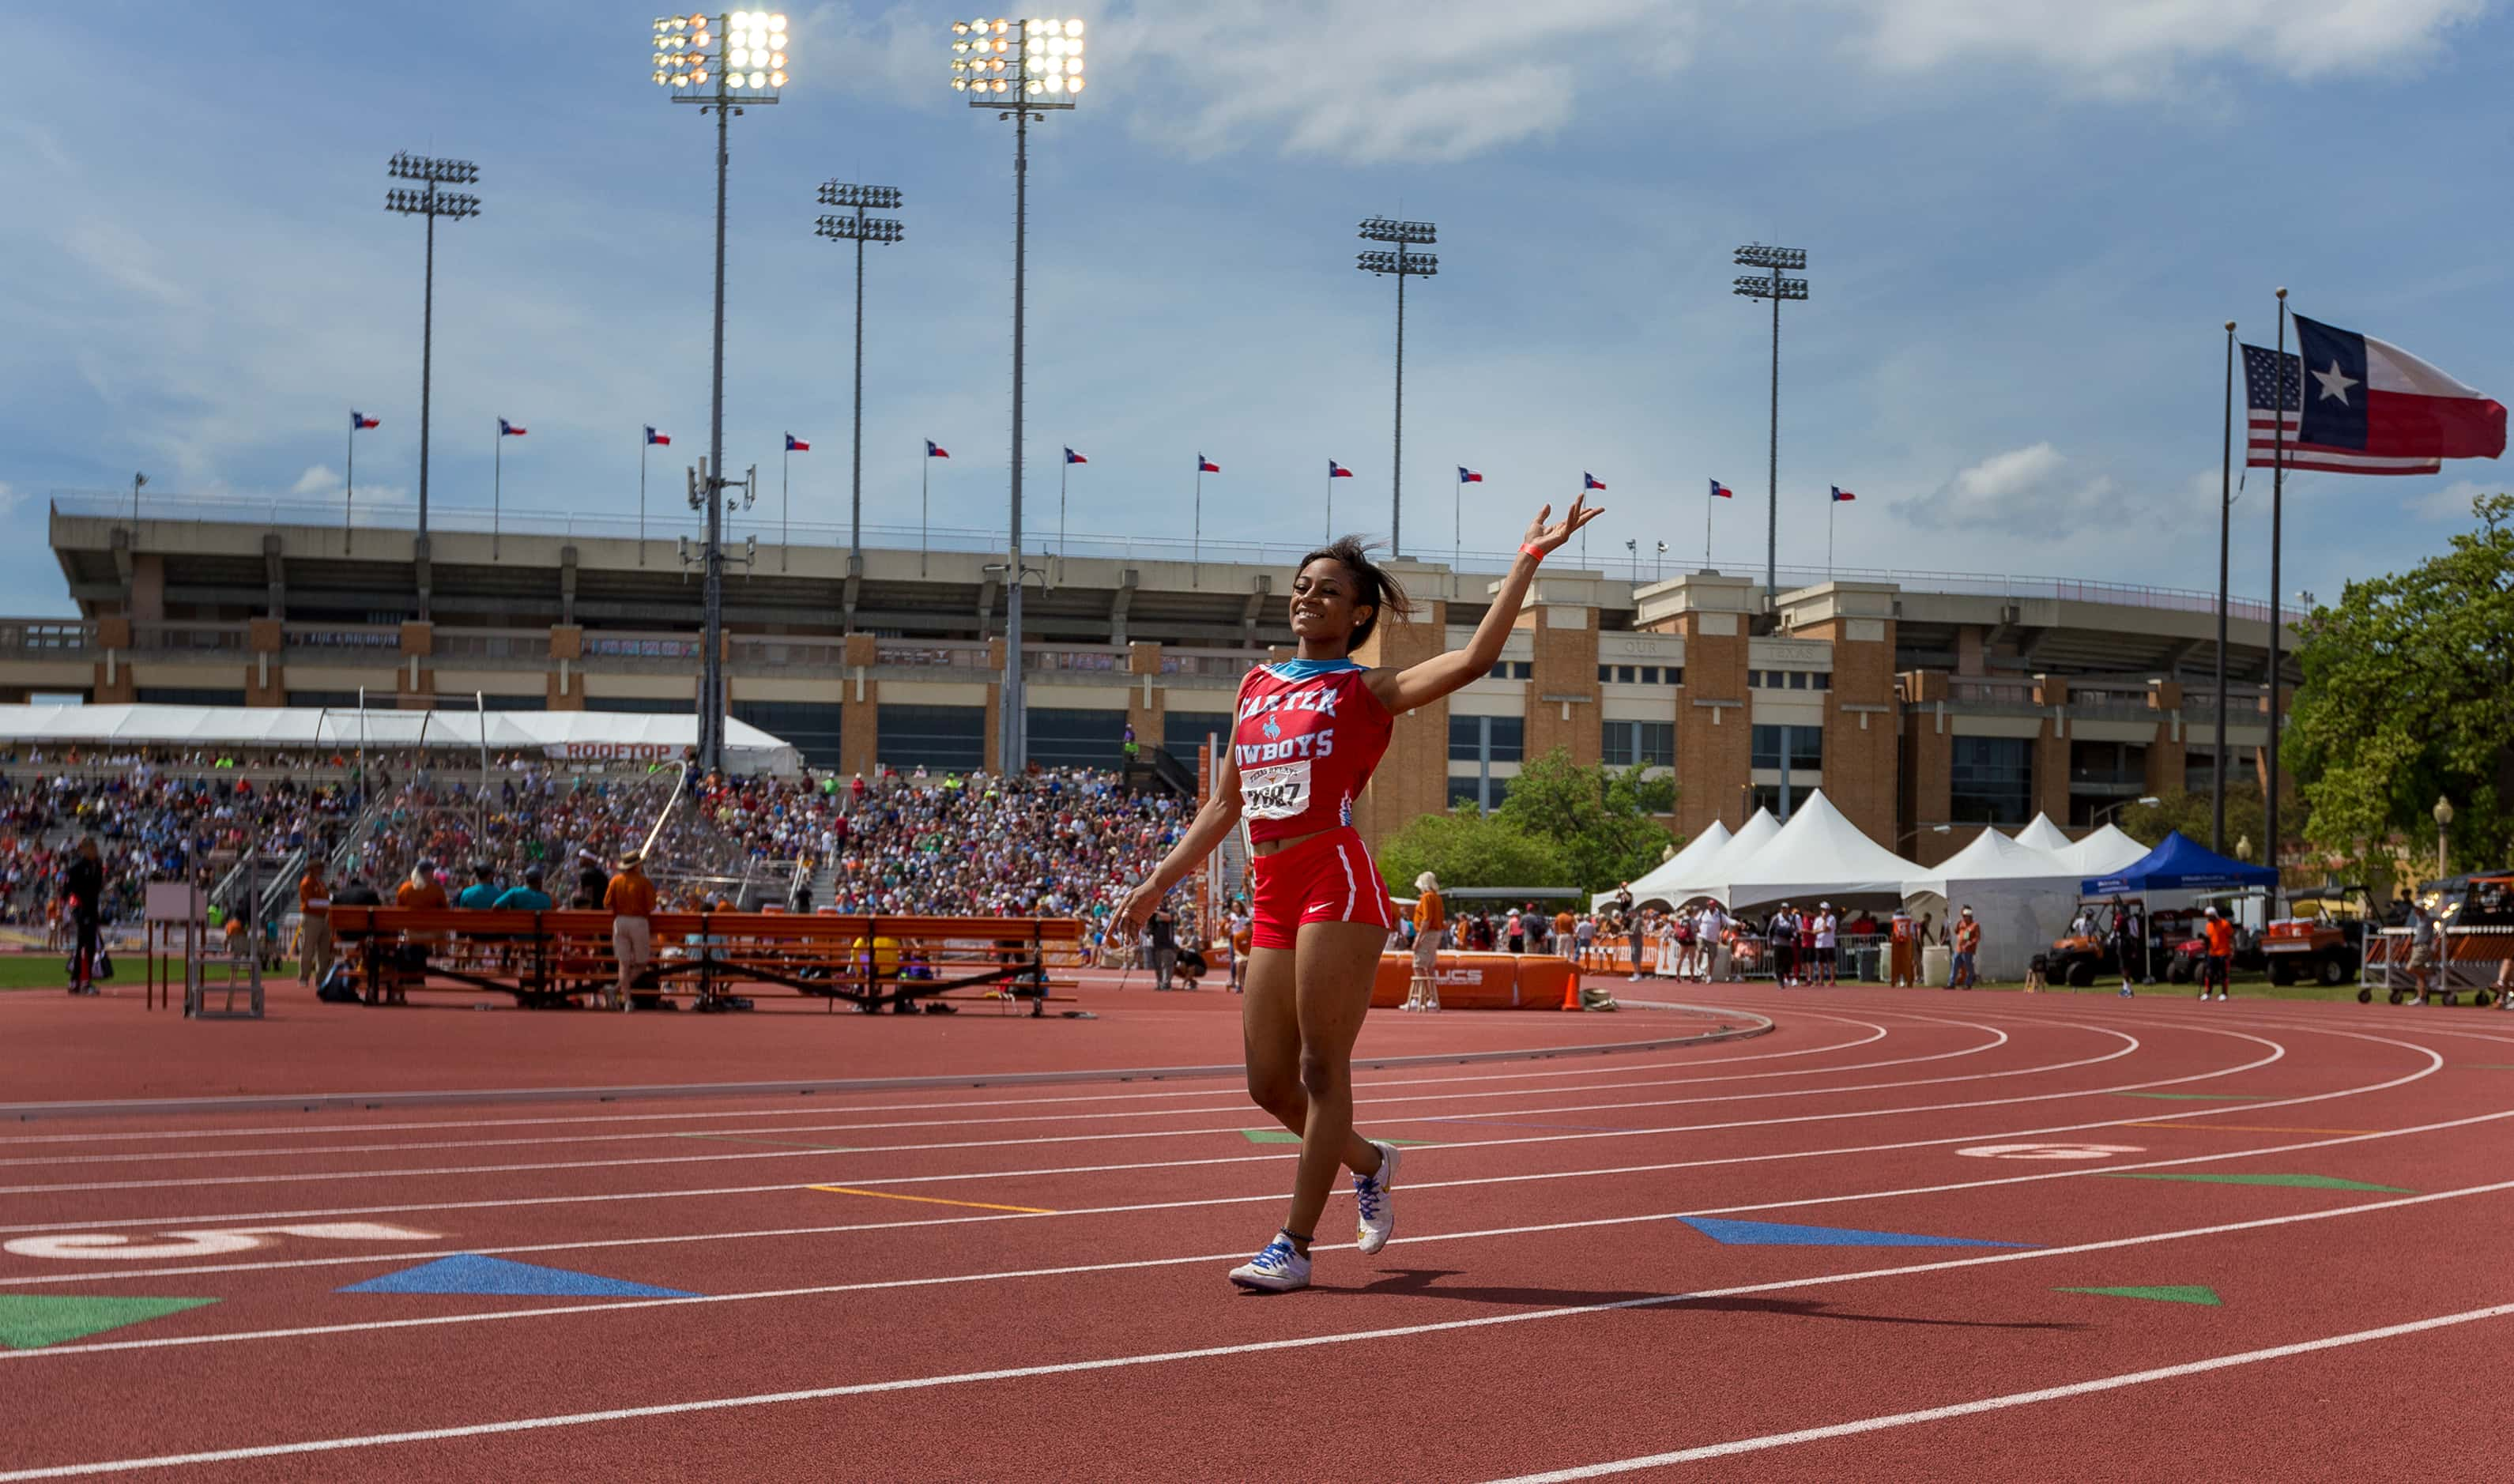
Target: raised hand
{"x":1545,"y":538}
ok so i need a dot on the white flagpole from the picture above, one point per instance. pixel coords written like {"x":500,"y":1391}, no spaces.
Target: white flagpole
{"x":1710,"y":502}
{"x":349,"y":489}
{"x":641,"y":494}
{"x":497,"y":485}
{"x":924,"y":506}
{"x":785,"y":501}
{"x":1063,"y":470}
{"x":1196,"y":552}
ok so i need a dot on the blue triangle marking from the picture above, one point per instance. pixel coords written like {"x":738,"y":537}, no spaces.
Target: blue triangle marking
{"x":1783,"y":1235}
{"x":468,"y":1273}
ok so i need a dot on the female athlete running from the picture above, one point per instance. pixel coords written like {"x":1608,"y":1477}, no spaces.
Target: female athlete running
{"x":1309,"y":732}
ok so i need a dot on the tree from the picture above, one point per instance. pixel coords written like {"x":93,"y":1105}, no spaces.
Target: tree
{"x":2408,"y":695}
{"x":1468,"y":849}
{"x":1599,"y":820}
{"x":2194,"y":813}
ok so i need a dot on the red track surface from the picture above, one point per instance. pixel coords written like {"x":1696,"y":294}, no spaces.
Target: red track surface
{"x":1541,"y":1309}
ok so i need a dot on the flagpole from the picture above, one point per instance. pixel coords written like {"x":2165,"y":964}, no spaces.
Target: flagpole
{"x":2225,"y":511}
{"x":1710,"y":502}
{"x":1831,"y":506}
{"x":785,"y":501}
{"x":350,"y":489}
{"x":2278,"y":492}
{"x":1196,"y":552}
{"x":1330,"y":536}
{"x":925,"y":506}
{"x":1457,"y":527}
{"x":641,"y":495}
{"x":1064,"y":471}
{"x":497,"y":485}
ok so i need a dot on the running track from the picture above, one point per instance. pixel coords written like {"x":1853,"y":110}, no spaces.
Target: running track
{"x":1025,"y":1281}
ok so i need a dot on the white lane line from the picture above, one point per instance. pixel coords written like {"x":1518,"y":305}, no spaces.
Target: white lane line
{"x":1207,"y":1352}
{"x":1130,"y":1167}
{"x":1229,"y":1103}
{"x":1876,"y":1034}
{"x":1772,"y":1441}
{"x":176,"y":1342}
{"x":315,"y":1176}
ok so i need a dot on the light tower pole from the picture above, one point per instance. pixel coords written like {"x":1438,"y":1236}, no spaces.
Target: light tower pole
{"x":1776,"y":287}
{"x":428,"y":203}
{"x":1400,"y":264}
{"x":1019,"y":69}
{"x":721,"y":64}
{"x":859,"y":229}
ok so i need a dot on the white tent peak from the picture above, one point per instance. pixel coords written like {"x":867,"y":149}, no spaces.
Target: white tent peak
{"x":2106,"y":851}
{"x":1663,"y":881}
{"x":1713,"y":872}
{"x":1819,"y":853}
{"x":1992,"y":856}
{"x":2044,"y":835}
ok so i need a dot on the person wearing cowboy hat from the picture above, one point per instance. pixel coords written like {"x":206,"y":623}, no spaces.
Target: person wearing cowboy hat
{"x":1967,"y":939}
{"x":630,"y":898}
{"x":1423,"y":989}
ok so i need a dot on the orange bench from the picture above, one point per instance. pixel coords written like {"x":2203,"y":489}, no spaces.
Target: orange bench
{"x":547,"y":957}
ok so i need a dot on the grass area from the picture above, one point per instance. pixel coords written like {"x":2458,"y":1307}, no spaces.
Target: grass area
{"x":44,"y":970}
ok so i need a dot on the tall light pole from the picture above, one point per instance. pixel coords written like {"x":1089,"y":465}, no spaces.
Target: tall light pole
{"x":1776,"y":287}
{"x":1018,"y":68}
{"x":721,"y":64}
{"x":859,"y":229}
{"x":2444,"y":828}
{"x":1401,"y":265}
{"x":430,"y":203}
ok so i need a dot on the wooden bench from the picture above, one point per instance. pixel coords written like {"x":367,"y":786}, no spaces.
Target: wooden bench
{"x":552,"y":956}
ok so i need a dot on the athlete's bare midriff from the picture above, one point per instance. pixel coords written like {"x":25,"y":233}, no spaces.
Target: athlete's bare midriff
{"x":1269,"y":847}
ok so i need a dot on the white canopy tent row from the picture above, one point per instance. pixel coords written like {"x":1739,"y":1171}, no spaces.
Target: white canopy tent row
{"x":1818,"y":855}
{"x":2023,"y":898}
{"x":1659,"y":886}
{"x":561,"y":735}
{"x":2106,"y":851}
{"x":2049,"y":838}
{"x":1716,"y":869}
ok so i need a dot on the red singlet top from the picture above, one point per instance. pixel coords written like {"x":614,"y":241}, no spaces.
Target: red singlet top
{"x":1307,"y":735}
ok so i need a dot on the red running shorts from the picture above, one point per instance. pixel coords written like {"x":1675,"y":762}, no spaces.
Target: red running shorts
{"x":1329,"y":877}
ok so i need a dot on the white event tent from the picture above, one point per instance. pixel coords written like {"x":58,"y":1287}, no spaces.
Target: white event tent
{"x":1712,"y":878}
{"x":2022,"y":897}
{"x":1661,"y":885}
{"x":2044,"y":835}
{"x":1819,"y":855}
{"x":2101,"y":853}
{"x":567,"y":735}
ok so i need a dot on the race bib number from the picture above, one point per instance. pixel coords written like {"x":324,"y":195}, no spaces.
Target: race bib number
{"x":1279,"y":791}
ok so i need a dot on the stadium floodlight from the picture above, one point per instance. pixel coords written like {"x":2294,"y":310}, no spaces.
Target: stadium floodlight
{"x":1775,"y":261}
{"x":859,"y":229}
{"x":724,"y":64}
{"x":429,"y":202}
{"x":1019,"y":68}
{"x":1400,"y":266}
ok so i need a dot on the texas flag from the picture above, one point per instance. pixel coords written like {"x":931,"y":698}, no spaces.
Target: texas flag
{"x":1204,"y":466}
{"x":359,"y":419}
{"x":1466,"y":476}
{"x":659,"y":440}
{"x":794,"y":445}
{"x":1588,"y":481}
{"x":2364,"y":408}
{"x":934,"y":450}
{"x":506,"y":429}
{"x":1721,"y":491}
{"x":1840,"y":495}
{"x":1070,"y":456}
{"x":1337,"y":470}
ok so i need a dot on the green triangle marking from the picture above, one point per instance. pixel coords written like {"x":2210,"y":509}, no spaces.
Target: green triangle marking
{"x":2163,"y":1292}
{"x":1287,"y":1135}
{"x":2290,"y":1182}
{"x":29,"y":1322}
{"x":2201,"y":1097}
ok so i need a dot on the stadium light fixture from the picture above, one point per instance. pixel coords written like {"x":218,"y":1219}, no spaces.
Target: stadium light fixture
{"x":859,"y":229}
{"x":1019,"y":68}
{"x":1772,"y":285}
{"x":429,"y":200}
{"x":723,"y":63}
{"x":1401,"y":264}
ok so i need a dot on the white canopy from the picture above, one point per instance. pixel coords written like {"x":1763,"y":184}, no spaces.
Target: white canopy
{"x":1818,"y":853}
{"x":1661,"y":882}
{"x":1712,"y":876}
{"x":572,"y":736}
{"x":2106,"y":851}
{"x":2021,"y":897}
{"x":2044,"y":835}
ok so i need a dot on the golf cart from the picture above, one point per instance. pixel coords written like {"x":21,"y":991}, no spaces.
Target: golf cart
{"x":2321,"y":939}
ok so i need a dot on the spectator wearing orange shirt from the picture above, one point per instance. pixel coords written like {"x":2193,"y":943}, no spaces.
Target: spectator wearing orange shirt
{"x":1429,"y":919}
{"x":1967,"y":947}
{"x":2221,"y":954}
{"x":630,"y":901}
{"x":314,"y":929}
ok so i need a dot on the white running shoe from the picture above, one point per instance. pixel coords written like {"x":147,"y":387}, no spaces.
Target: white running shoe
{"x":1278,"y":1269}
{"x":1378,"y":1216}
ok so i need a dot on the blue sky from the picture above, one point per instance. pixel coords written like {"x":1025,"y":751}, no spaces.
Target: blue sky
{"x":2027,"y":221}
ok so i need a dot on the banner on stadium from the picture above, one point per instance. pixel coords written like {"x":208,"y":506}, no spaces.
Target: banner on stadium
{"x":613,"y":753}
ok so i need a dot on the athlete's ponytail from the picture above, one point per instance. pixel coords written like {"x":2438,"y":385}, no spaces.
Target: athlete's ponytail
{"x":1375,"y":587}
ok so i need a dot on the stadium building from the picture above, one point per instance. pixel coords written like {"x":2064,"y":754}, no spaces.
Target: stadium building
{"x":1913,"y":700}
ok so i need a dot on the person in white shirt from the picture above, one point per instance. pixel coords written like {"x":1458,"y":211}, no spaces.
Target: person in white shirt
{"x":1708,"y":930}
{"x":1826,"y":959}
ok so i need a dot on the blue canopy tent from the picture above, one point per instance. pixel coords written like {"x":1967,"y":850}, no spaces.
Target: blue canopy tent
{"x":2181,"y":865}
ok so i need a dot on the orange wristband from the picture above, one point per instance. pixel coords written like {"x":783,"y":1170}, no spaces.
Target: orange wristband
{"x":1528,"y":549}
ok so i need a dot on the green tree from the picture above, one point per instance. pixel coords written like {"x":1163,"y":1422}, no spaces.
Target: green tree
{"x":1469,"y":848}
{"x":2194,"y":813}
{"x":1600,"y":820}
{"x":2408,"y":695}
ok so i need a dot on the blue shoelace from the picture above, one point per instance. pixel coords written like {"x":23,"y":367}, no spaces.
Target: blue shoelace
{"x":1366,"y":1194}
{"x":1278,"y":1254}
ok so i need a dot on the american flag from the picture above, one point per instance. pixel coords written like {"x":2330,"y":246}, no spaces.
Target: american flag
{"x":2263,"y":409}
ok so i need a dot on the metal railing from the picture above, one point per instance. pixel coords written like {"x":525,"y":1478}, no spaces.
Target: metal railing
{"x":46,"y":637}
{"x":490,"y":644}
{"x":356,"y":638}
{"x":924,"y":654}
{"x":189,"y":638}
{"x":663,"y":525}
{"x":780,"y":651}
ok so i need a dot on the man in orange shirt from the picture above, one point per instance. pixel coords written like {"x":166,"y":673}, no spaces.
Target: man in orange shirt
{"x":314,"y":929}
{"x":2221,"y":954}
{"x":1429,"y":919}
{"x":421,"y":890}
{"x":630,"y":901}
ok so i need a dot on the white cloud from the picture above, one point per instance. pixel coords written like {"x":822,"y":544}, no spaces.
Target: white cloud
{"x":319,"y":479}
{"x":2139,"y":48}
{"x":2035,"y":489}
{"x":2451,"y":502}
{"x":9,"y":498}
